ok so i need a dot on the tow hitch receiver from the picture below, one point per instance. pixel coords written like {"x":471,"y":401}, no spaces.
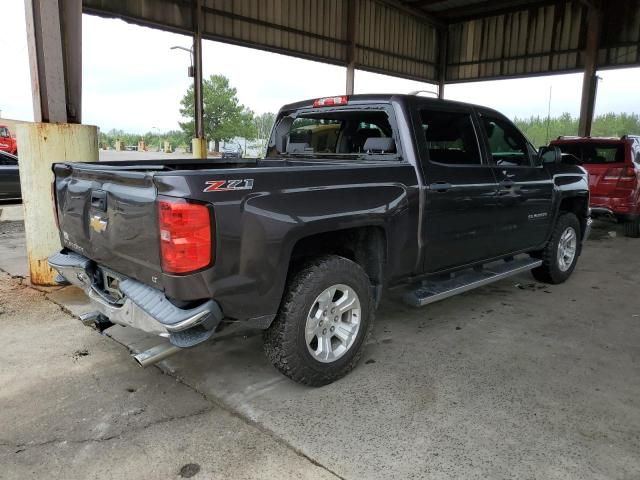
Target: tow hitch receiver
{"x":96,"y":319}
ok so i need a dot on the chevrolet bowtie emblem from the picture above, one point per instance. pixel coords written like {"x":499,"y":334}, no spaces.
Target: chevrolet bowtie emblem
{"x":97,"y":223}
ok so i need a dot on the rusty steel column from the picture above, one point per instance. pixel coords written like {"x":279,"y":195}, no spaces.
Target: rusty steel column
{"x":590,"y":78}
{"x":54,"y":39}
{"x":352,"y":6}
{"x":443,"y":40}
{"x":199,"y":143}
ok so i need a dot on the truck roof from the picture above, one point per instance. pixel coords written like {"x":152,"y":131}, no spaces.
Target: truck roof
{"x":577,"y":139}
{"x":389,"y":97}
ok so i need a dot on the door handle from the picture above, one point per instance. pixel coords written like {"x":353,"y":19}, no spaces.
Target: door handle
{"x":507,"y":183}
{"x":440,"y":186}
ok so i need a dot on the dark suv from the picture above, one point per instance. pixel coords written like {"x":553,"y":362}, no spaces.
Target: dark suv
{"x":232,"y":150}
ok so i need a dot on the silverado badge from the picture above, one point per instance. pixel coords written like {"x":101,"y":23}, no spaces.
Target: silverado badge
{"x":97,"y":223}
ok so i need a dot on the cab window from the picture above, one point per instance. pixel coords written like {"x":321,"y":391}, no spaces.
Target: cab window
{"x":450,"y":137}
{"x":338,"y":133}
{"x":507,"y":146}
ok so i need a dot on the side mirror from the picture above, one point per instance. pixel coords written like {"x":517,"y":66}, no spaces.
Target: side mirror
{"x":550,"y":154}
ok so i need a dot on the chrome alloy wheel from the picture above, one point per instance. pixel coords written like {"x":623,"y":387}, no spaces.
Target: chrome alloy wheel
{"x":567,"y":246}
{"x":333,"y":323}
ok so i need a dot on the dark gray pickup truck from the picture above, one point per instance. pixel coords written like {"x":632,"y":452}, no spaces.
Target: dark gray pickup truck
{"x":421,"y":197}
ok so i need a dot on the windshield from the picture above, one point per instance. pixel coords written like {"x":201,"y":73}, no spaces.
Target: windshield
{"x":343,"y":133}
{"x":594,"y":153}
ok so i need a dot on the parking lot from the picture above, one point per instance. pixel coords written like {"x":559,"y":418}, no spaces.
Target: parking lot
{"x":513,"y":380}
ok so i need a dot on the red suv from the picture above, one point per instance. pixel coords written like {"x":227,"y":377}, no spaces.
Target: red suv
{"x":614,"y":176}
{"x":7,"y":141}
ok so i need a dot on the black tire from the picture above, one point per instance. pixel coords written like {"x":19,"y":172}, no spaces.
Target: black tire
{"x":550,"y":271}
{"x":284,"y":341}
{"x":632,"y":228}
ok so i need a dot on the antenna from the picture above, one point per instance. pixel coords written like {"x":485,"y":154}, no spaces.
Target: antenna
{"x":549,"y":114}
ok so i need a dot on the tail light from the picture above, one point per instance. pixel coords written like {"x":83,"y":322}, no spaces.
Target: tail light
{"x":185,"y":236}
{"x":612,"y":174}
{"x":627,"y":178}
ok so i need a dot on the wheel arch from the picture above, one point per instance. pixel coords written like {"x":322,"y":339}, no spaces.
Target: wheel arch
{"x":365,"y":245}
{"x":579,"y":206}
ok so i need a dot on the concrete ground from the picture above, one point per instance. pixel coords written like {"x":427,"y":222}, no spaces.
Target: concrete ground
{"x":514,"y":380}
{"x":74,"y":407}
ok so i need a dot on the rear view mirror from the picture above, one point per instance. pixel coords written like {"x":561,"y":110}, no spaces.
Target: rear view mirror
{"x":547,"y":155}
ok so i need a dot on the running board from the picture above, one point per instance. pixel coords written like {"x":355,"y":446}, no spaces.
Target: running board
{"x":433,"y":290}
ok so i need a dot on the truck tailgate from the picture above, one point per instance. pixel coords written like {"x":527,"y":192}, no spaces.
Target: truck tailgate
{"x":110,"y":216}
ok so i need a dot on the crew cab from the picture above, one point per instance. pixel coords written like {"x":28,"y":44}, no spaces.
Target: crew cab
{"x":614,"y":176}
{"x":8,"y":141}
{"x":419,"y":197}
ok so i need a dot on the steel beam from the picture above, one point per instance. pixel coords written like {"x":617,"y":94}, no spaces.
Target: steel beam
{"x":352,"y":6}
{"x":197,"y":60}
{"x":443,"y":40}
{"x":54,"y":40}
{"x":590,"y":79}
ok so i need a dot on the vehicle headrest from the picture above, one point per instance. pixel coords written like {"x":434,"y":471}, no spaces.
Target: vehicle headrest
{"x":297,"y":147}
{"x":379,"y":145}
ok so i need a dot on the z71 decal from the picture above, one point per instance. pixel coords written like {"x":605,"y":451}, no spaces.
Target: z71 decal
{"x":228,"y":185}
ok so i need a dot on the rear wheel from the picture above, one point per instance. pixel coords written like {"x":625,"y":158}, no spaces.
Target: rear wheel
{"x":325,"y":317}
{"x":560,"y":255}
{"x":632,"y":228}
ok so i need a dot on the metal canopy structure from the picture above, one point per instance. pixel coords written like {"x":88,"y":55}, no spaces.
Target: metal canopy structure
{"x":436,"y":41}
{"x":426,"y":40}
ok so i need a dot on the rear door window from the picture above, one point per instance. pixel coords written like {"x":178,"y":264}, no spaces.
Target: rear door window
{"x":507,"y":146}
{"x":450,"y":137}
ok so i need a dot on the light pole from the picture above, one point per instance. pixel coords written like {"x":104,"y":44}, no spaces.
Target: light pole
{"x":190,"y":51}
{"x":198,"y":144}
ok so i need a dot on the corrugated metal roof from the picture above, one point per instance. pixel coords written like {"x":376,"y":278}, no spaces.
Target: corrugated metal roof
{"x":486,"y":38}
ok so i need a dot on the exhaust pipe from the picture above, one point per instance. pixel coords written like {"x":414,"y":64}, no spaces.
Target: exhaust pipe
{"x":155,"y":354}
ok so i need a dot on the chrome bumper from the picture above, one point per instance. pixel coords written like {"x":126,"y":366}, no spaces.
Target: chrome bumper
{"x":141,"y":307}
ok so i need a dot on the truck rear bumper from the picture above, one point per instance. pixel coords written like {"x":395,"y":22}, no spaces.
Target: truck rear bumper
{"x":140,"y":306}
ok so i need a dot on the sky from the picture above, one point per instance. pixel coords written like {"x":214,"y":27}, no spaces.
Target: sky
{"x":133,"y":81}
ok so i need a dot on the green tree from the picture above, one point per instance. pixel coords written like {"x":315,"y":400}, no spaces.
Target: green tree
{"x":542,"y":130}
{"x":263,"y":124}
{"x":224,"y":116}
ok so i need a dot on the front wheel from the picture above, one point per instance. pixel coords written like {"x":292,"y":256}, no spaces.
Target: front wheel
{"x":323,"y":322}
{"x":560,"y":255}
